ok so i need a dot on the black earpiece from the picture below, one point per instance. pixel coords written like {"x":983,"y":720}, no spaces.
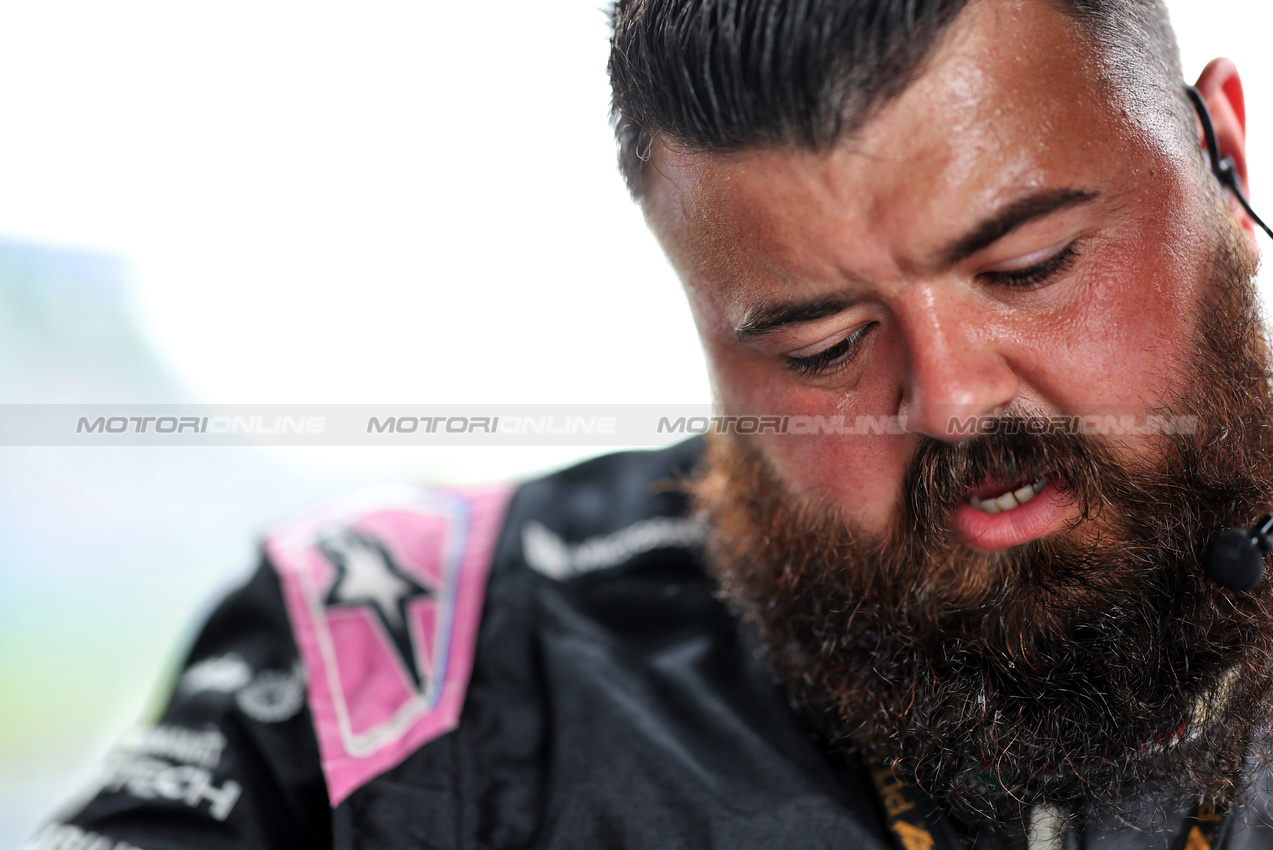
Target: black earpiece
{"x":1235,"y":559}
{"x":1223,"y":168}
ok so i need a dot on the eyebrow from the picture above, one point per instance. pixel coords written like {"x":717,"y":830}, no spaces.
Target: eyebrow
{"x":768,"y":318}
{"x":1011,"y":217}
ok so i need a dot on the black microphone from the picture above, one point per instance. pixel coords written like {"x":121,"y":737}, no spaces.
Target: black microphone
{"x":1235,"y":559}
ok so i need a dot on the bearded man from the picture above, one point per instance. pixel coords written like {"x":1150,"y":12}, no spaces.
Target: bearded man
{"x":987,"y":210}
{"x":978,"y":249}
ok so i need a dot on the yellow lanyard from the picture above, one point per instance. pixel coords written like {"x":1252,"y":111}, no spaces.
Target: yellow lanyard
{"x":916,"y":823}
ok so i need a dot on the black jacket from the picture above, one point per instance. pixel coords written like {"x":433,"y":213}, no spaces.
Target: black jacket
{"x":611,"y":703}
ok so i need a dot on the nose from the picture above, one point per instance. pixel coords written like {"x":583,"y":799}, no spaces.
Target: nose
{"x":957,"y":374}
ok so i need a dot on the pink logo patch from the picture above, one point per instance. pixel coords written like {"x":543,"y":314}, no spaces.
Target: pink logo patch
{"x":385,"y":596}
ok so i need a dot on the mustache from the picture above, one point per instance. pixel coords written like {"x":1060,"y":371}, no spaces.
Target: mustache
{"x":1020,"y":449}
{"x":1210,"y":490}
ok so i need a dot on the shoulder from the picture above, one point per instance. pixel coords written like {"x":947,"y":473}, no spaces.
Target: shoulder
{"x":605,"y":511}
{"x":386,"y":589}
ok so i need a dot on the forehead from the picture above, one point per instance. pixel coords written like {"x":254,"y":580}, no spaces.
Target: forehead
{"x":1013,"y":98}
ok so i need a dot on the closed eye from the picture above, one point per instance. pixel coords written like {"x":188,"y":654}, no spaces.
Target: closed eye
{"x":832,"y":358}
{"x":1037,"y":274}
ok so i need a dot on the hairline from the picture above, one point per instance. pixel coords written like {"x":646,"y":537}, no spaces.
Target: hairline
{"x":1126,"y":66}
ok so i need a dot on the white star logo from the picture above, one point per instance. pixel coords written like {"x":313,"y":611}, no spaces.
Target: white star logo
{"x":367,"y":575}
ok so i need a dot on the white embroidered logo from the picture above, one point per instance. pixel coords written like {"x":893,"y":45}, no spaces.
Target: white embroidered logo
{"x":547,"y":553}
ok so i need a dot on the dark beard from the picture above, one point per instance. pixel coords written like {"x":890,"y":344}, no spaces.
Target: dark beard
{"x":1069,"y":671}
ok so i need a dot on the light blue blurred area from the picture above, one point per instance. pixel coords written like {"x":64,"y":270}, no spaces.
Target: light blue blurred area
{"x":111,"y":555}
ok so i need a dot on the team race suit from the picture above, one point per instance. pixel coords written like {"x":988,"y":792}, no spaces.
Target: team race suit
{"x":539,"y":666}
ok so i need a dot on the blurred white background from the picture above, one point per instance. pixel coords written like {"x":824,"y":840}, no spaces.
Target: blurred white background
{"x":274,"y":202}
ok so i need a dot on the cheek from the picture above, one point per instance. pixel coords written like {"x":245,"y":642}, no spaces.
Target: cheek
{"x":1125,"y":343}
{"x":861,"y":473}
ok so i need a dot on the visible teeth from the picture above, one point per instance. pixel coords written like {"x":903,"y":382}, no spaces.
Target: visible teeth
{"x":1008,"y":501}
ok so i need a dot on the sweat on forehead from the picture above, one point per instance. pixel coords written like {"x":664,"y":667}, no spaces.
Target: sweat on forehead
{"x":726,"y":75}
{"x":952,"y":161}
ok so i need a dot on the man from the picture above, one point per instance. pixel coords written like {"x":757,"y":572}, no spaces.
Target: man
{"x":976,"y":248}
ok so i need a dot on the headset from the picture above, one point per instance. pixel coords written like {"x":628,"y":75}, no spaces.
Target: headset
{"x":1235,"y":559}
{"x":1224,"y":169}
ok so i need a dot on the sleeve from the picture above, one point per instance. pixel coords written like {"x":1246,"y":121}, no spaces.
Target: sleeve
{"x":232,"y":763}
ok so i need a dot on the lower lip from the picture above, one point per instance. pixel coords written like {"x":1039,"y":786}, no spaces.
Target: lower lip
{"x":1038,"y":517}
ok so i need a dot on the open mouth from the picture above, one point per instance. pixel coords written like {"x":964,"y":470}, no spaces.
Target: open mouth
{"x":1005,"y":512}
{"x":995,"y":499}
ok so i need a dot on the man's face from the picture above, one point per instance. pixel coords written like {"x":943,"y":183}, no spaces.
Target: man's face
{"x":1007,"y":235}
{"x":1014,"y":239}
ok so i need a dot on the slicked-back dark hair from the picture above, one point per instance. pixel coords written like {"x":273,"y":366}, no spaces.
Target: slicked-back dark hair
{"x":725,"y":75}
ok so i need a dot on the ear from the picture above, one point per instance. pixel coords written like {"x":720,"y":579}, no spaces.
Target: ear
{"x":1221,"y":88}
